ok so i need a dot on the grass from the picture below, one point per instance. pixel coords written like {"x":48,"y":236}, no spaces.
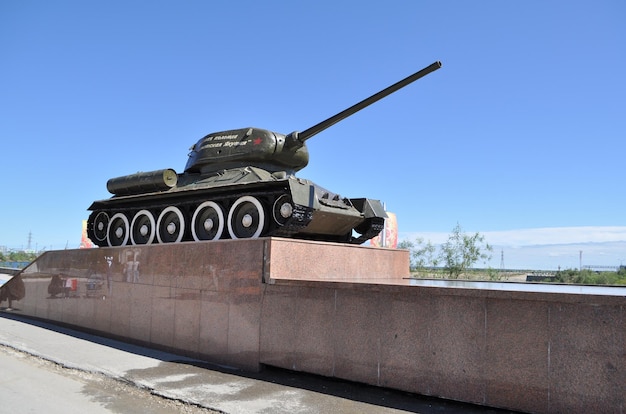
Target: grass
{"x":570,"y":276}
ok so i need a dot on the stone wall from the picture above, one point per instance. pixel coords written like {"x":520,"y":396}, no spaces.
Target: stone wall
{"x":348,"y":312}
{"x":531,"y":352}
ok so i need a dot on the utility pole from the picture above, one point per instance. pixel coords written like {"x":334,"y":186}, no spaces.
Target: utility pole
{"x":580,"y":259}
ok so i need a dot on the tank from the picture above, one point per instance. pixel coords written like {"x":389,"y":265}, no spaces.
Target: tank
{"x":238,"y":184}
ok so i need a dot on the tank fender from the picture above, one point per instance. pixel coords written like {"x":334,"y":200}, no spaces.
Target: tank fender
{"x":369,"y":208}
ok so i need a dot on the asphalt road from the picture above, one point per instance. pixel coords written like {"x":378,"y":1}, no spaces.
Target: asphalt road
{"x":33,"y":385}
{"x":47,"y":368}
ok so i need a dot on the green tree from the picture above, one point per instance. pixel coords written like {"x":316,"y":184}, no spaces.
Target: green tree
{"x":406,"y":245}
{"x":21,"y":256}
{"x":423,"y":254}
{"x":589,"y":277}
{"x":410,"y":246}
{"x":461,"y":251}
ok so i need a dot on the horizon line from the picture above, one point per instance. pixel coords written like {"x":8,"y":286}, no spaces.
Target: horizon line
{"x":537,"y":236}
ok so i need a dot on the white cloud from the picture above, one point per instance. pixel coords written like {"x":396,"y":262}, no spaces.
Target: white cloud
{"x":537,"y":236}
{"x":548,"y":248}
{"x":556,"y":235}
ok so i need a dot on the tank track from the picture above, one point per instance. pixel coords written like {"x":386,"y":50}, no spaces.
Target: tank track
{"x":125,"y":214}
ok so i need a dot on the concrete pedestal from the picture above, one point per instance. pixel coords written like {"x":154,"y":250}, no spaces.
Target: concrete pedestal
{"x":344,"y":311}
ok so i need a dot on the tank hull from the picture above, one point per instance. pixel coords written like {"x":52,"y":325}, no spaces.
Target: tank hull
{"x":238,"y":203}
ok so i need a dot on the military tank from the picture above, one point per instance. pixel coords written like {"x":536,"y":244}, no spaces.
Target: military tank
{"x":238,"y":184}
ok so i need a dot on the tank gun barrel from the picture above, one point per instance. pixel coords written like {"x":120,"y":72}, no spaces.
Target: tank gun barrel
{"x":315,"y":129}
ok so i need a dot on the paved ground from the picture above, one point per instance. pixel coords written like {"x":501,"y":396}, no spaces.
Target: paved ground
{"x":47,"y":368}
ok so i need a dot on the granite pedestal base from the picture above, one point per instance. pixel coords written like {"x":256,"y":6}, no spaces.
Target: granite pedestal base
{"x":343,"y":311}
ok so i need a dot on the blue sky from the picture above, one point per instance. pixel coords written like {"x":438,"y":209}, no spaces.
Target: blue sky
{"x":523,"y":127}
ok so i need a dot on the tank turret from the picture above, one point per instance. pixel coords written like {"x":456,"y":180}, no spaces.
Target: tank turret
{"x":238,"y":183}
{"x":273,"y":151}
{"x":248,"y":146}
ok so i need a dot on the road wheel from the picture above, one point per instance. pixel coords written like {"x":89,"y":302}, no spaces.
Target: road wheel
{"x":117,"y":231}
{"x":142,"y":228}
{"x":207,"y":222}
{"x":246,"y":218}
{"x":171,"y":225}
